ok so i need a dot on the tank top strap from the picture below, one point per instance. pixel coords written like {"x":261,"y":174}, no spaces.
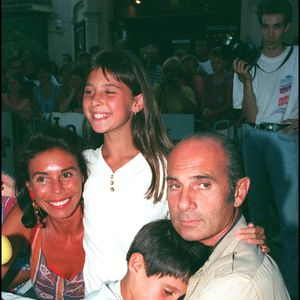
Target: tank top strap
{"x":36,"y":251}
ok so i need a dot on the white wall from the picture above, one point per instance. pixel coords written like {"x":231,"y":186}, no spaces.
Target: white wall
{"x":97,"y":15}
{"x":60,"y":30}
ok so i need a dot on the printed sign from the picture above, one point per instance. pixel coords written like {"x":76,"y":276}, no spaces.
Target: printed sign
{"x":72,"y":121}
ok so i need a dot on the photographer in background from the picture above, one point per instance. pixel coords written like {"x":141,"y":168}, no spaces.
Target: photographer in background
{"x":268,"y":96}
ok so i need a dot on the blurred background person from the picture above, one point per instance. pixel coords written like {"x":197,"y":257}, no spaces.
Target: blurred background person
{"x":14,"y":101}
{"x":151,"y":59}
{"x":20,"y":106}
{"x":202,"y":48}
{"x":84,"y":61}
{"x":192,"y":79}
{"x":46,"y":93}
{"x":217,"y":92}
{"x":71,"y":95}
{"x":66,"y":59}
{"x":172,"y":96}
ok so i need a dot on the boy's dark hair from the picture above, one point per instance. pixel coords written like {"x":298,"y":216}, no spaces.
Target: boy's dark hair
{"x":46,"y":137}
{"x":166,"y":253}
{"x":271,"y":7}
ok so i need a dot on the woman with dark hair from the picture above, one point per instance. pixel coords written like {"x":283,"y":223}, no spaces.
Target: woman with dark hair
{"x":50,"y":174}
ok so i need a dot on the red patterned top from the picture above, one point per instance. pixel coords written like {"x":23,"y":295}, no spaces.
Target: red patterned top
{"x":48,"y":282}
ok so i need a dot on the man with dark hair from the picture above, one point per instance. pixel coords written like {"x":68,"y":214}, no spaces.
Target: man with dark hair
{"x":206,"y":189}
{"x":274,"y":7}
{"x":268,"y":95}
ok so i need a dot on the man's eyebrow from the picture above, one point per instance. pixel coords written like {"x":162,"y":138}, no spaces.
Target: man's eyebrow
{"x":276,"y":24}
{"x":203,"y":177}
{"x":193,"y":177}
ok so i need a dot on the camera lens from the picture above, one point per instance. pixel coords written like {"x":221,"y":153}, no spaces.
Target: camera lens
{"x":236,"y":48}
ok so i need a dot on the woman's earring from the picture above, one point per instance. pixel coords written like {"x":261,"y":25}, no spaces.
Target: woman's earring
{"x":36,"y":210}
{"x":36,"y":213}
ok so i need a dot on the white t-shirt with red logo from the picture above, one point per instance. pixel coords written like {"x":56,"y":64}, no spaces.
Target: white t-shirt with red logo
{"x":276,"y":92}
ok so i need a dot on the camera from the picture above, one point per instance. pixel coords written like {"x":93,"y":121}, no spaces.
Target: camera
{"x":235,"y":48}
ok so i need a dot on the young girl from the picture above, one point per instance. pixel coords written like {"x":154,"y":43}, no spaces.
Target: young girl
{"x":126,"y":184}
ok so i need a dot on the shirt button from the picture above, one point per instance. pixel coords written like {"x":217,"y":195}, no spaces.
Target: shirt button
{"x":111,"y":182}
{"x":112,"y":189}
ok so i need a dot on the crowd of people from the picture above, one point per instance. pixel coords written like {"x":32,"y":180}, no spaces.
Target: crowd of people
{"x":136,"y":215}
{"x":45,"y":86}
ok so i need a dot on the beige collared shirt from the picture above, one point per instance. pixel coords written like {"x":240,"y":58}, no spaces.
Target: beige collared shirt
{"x":237,"y":270}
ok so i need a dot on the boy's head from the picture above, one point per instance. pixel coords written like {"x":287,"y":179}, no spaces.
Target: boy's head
{"x":160,"y":262}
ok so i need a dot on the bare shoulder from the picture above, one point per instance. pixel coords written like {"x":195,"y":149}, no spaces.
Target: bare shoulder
{"x":13,"y":226}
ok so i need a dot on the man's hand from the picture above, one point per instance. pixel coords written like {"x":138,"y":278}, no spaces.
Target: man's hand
{"x":241,"y":67}
{"x":292,"y":128}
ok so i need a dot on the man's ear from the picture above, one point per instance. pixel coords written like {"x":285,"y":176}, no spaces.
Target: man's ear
{"x":287,"y":27}
{"x":241,"y":190}
{"x":138,"y":104}
{"x":136,"y":263}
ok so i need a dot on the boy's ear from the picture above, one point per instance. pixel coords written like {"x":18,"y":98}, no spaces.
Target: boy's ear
{"x":138,"y":104}
{"x":136,"y":263}
{"x":241,"y":190}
